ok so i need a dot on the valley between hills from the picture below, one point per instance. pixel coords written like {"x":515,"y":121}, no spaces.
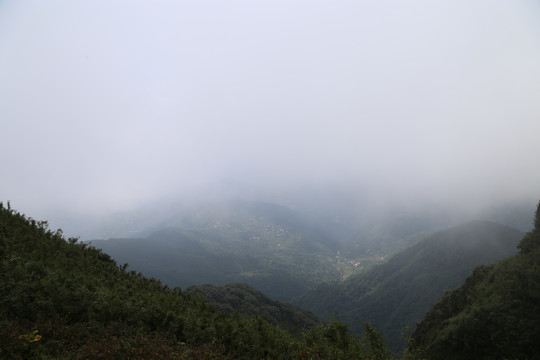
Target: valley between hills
{"x":390,"y":278}
{"x":276,"y":276}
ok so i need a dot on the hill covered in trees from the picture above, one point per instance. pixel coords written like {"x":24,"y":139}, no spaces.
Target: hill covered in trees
{"x":398,"y":293}
{"x":65,"y":300}
{"x":495,"y":314}
{"x":62,"y":299}
{"x":270,"y":247}
{"x":245,"y":299}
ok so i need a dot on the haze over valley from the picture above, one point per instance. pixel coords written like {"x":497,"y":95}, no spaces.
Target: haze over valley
{"x":269,"y":179}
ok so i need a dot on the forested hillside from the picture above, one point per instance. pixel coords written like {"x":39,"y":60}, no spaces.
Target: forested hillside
{"x":245,"y":299}
{"x":398,"y":293}
{"x":494,"y":315}
{"x":65,"y":300}
{"x":270,"y":247}
{"x":282,"y":252}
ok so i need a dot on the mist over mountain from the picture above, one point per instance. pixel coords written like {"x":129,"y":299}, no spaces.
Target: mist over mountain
{"x":380,"y":149}
{"x":388,"y":103}
{"x":341,"y":211}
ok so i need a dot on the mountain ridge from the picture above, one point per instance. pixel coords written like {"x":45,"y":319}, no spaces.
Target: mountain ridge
{"x":268,"y":246}
{"x":398,"y":293}
{"x":494,"y":314}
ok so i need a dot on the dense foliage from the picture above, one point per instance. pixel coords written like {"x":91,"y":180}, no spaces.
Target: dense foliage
{"x":245,"y":299}
{"x":65,"y":300}
{"x":494,"y":315}
{"x":398,"y":293}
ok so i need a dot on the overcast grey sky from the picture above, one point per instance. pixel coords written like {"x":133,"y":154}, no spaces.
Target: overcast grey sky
{"x":107,"y":103}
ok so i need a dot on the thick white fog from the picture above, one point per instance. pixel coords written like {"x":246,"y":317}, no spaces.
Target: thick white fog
{"x":105,"y":105}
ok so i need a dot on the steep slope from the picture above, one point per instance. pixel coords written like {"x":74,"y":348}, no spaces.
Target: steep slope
{"x":398,"y":293}
{"x":267,"y":246}
{"x":66,"y":300}
{"x":495,"y":314}
{"x":245,"y":299}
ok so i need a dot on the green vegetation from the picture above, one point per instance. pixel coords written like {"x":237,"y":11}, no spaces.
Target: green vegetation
{"x":282,"y":252}
{"x":269,"y":247}
{"x":245,"y":299}
{"x":494,"y":315}
{"x":62,"y":299}
{"x":65,"y":300}
{"x":398,"y":293}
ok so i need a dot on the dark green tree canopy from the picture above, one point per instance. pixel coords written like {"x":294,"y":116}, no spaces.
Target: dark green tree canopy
{"x":531,"y":240}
